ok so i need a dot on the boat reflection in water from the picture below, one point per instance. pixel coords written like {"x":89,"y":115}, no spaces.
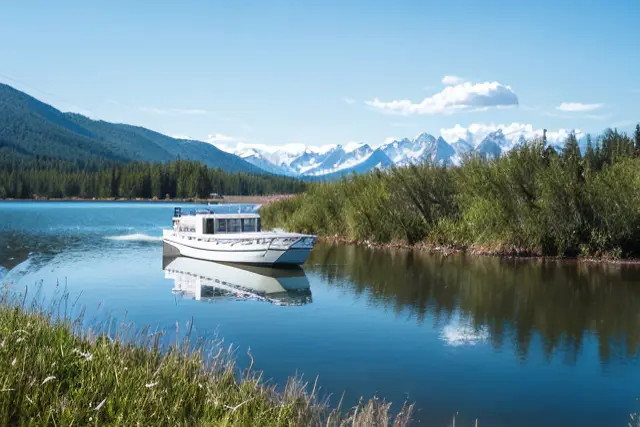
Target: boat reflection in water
{"x":208,"y":280}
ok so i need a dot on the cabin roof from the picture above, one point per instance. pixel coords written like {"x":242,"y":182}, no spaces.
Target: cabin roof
{"x":223,"y":211}
{"x":230,"y":215}
{"x":229,"y":208}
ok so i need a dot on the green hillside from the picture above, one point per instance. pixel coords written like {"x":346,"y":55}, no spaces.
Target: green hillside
{"x":30,"y":128}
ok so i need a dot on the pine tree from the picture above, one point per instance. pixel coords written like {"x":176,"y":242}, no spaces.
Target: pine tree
{"x":571,"y":157}
{"x":590,"y":160}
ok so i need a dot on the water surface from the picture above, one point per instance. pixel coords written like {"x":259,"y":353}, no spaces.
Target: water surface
{"x":523,"y":343}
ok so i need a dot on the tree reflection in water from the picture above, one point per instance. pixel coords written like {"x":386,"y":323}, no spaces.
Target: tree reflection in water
{"x":509,"y":300}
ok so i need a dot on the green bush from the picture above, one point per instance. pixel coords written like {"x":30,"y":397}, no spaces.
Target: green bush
{"x":532,"y":200}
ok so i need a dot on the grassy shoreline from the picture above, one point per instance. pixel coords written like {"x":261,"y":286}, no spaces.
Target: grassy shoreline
{"x":53,"y":372}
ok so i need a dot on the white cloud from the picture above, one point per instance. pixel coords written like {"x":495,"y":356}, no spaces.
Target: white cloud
{"x":452,"y":80}
{"x":462,"y":97}
{"x":178,"y":136}
{"x":218,"y":137}
{"x":476,"y":132}
{"x":233,"y":145}
{"x":349,"y":101}
{"x":578,"y":107}
{"x":224,"y":142}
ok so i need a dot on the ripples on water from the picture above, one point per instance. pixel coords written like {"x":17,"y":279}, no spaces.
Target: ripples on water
{"x":524,"y":343}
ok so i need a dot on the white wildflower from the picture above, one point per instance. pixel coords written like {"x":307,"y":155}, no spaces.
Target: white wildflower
{"x":13,"y":362}
{"x":46,"y":380}
{"x":87,"y":356}
{"x":97,"y":408}
{"x":19,"y":340}
{"x":151,"y":385}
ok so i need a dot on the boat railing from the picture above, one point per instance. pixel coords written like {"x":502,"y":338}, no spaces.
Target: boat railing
{"x":273,"y":242}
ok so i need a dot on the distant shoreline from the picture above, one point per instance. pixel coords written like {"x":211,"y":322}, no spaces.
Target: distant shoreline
{"x":226,"y":199}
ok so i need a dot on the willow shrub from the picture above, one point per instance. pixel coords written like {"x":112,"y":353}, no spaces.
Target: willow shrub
{"x":531,"y":201}
{"x":614,"y":195}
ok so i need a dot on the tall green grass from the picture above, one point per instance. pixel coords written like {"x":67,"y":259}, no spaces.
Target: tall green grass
{"x":55,"y":372}
{"x":533,"y":201}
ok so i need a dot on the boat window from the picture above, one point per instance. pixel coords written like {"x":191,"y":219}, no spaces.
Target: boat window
{"x":208,"y":226}
{"x":235,"y":226}
{"x":249,"y":224}
{"x":222,"y":226}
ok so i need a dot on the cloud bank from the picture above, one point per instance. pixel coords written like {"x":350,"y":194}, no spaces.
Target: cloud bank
{"x":455,"y":98}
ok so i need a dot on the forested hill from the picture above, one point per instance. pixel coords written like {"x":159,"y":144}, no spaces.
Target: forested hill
{"x":30,"y":128}
{"x":45,"y":177}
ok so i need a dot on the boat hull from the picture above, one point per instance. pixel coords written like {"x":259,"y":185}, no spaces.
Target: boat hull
{"x":257,"y":256}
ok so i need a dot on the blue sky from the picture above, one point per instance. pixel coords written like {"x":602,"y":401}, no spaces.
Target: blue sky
{"x":281,"y":72}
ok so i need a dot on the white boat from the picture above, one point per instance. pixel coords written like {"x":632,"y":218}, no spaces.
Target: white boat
{"x":232,"y":233}
{"x":207,"y":281}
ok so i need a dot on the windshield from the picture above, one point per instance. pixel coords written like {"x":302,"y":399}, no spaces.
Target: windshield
{"x":229,"y":208}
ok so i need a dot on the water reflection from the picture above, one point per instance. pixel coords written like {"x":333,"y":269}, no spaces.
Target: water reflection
{"x":505,"y":301}
{"x":208,"y":281}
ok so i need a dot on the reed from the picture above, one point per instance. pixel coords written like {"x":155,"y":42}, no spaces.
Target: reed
{"x":55,"y":371}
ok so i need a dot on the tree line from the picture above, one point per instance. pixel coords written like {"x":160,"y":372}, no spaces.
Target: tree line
{"x":25,"y":178}
{"x":533,"y":200}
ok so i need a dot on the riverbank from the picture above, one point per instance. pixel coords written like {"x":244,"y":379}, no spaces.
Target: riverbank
{"x":474,"y":251}
{"x":52,"y":372}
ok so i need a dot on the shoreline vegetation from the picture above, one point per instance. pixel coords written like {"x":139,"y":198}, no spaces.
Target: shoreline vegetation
{"x":55,"y":372}
{"x":475,"y":251}
{"x":531,"y":202}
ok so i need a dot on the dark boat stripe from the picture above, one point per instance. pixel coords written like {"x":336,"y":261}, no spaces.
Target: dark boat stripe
{"x":247,"y":250}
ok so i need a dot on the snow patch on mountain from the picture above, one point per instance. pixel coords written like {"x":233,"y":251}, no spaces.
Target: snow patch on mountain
{"x":334,"y":160}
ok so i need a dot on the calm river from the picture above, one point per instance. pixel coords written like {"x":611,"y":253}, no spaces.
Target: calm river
{"x":511,"y":343}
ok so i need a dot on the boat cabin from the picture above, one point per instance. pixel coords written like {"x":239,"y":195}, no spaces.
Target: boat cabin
{"x":217,"y":219}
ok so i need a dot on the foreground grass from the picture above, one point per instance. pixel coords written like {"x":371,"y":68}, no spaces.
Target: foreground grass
{"x":52,"y":372}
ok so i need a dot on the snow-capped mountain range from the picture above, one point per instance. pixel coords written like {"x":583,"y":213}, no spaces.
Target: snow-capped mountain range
{"x":336,"y":160}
